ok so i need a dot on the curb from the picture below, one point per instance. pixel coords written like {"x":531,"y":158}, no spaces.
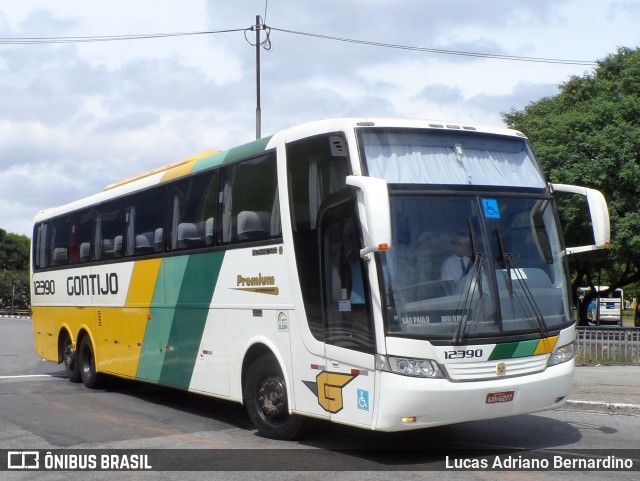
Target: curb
{"x":603,"y":407}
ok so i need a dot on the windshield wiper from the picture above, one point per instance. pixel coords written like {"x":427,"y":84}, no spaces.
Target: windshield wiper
{"x":476,"y":282}
{"x":506,"y":258}
{"x":477,"y":257}
{"x":511,"y":267}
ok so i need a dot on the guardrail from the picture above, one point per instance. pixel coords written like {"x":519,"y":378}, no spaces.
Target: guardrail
{"x":608,"y":346}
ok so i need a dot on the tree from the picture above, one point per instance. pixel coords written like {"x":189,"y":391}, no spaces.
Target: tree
{"x":589,"y":134}
{"x":14,"y":271}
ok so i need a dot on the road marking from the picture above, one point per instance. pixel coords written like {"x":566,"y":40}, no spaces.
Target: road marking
{"x":25,"y":376}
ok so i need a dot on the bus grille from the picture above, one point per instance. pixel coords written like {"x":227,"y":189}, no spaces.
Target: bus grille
{"x":478,"y":371}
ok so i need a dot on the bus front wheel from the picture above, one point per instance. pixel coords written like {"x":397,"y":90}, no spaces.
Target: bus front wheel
{"x":265,"y":396}
{"x":87,"y":362}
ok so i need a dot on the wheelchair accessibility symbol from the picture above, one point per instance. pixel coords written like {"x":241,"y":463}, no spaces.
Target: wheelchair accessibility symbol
{"x":363,"y":399}
{"x":491,"y":209}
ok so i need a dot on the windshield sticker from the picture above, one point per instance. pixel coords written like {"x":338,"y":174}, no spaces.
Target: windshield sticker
{"x":491,"y":210}
{"x":434,"y":316}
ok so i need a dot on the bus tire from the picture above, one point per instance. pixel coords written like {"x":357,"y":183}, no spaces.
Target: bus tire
{"x":87,"y":364}
{"x":265,"y":397}
{"x":70,"y":360}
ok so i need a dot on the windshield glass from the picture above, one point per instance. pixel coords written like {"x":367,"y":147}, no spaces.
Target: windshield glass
{"x":459,"y":158}
{"x":470,"y":266}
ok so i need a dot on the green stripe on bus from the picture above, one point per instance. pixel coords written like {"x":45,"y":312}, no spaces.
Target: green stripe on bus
{"x":511,"y":350}
{"x":210,"y":161}
{"x":190,"y":317}
{"x":156,"y":336}
{"x":526,"y":348}
{"x":236,"y":153}
{"x":247,"y":150}
{"x":503,"y":351}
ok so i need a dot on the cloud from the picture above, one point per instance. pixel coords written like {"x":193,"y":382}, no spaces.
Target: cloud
{"x":522,"y":95}
{"x":133,"y":121}
{"x":482,"y":106}
{"x":44,"y":83}
{"x":45,"y":23}
{"x":76,"y":117}
{"x":442,"y":94}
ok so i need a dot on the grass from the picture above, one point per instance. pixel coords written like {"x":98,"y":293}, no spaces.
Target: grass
{"x":583,"y":359}
{"x":628,"y":316}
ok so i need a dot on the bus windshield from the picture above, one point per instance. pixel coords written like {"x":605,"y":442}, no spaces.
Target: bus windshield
{"x":476,"y":252}
{"x":475,"y":266}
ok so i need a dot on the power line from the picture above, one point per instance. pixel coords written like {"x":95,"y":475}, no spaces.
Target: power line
{"x":113,"y":38}
{"x":107,"y":38}
{"x":266,"y":7}
{"x":441,"y":51}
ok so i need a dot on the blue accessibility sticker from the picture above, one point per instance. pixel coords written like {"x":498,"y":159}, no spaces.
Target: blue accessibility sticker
{"x":491,"y":210}
{"x":363,"y":399}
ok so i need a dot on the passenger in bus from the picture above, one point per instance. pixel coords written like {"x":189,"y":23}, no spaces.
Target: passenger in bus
{"x":458,"y":264}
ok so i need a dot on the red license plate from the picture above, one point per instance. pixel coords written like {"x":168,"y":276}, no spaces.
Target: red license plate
{"x":500,"y":397}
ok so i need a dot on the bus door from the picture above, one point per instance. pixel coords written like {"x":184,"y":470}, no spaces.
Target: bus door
{"x":349,"y":379}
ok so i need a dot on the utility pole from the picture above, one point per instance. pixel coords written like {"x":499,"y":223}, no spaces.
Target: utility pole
{"x":259,"y":27}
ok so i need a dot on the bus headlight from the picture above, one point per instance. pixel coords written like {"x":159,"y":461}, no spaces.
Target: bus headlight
{"x":562,"y":354}
{"x":415,"y":367}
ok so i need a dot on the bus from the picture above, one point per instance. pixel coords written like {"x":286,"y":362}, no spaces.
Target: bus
{"x":605,"y":308}
{"x":301,"y":275}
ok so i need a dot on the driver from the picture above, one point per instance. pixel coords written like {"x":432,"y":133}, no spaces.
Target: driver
{"x":458,"y":264}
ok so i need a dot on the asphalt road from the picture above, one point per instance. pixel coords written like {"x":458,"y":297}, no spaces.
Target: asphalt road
{"x":41,"y":410}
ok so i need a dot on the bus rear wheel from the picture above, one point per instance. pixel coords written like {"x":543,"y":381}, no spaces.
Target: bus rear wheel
{"x":265,"y":396}
{"x":70,"y":361}
{"x":87,"y":364}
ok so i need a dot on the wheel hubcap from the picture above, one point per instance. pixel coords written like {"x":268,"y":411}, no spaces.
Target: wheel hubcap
{"x":87,"y":362}
{"x":272,"y":399}
{"x":67,"y":357}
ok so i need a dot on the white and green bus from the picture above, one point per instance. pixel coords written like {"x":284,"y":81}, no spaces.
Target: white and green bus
{"x":304,"y":275}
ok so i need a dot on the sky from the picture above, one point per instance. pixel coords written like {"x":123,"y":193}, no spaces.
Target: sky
{"x":77,"y":116}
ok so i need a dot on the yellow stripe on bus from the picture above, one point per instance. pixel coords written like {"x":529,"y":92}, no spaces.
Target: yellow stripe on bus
{"x":143,"y":283}
{"x":173,"y":172}
{"x":127,"y":325}
{"x":546,"y":345}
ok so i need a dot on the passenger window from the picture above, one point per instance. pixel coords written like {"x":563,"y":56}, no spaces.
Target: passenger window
{"x":145,"y":223}
{"x":249,"y":198}
{"x":80,"y":247}
{"x":193,"y":204}
{"x":40,"y":247}
{"x":60,"y":241}
{"x":110,"y":231}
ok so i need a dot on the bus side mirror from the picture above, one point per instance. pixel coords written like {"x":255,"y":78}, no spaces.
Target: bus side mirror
{"x":599,"y":216}
{"x":373,"y":202}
